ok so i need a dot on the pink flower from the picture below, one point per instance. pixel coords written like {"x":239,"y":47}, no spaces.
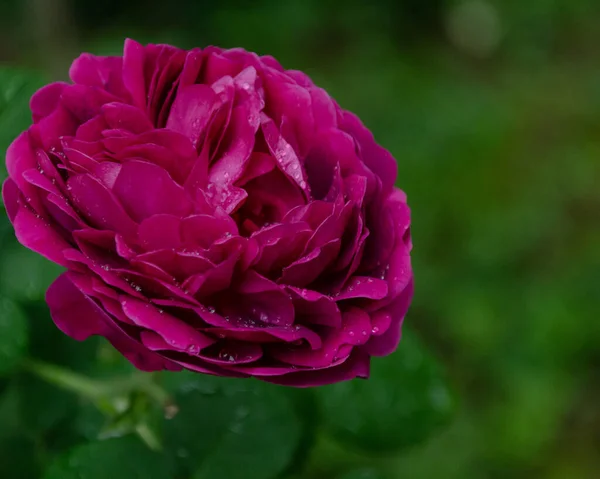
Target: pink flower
{"x":214,"y":212}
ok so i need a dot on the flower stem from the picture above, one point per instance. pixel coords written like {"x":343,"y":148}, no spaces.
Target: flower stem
{"x":148,"y":436}
{"x":65,"y":379}
{"x":94,"y":389}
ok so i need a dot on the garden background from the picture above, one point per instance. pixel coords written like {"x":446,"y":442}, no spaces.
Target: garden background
{"x":492,"y":109}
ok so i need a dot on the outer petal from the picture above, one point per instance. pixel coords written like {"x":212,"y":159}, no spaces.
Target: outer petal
{"x":36,"y":234}
{"x":377,"y":159}
{"x":45,"y":100}
{"x":356,"y":366}
{"x":79,"y":317}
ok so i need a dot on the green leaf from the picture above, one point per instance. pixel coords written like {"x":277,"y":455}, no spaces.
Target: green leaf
{"x":232,"y":428}
{"x":18,"y":456}
{"x":404,"y":401}
{"x":13,"y":336}
{"x":19,"y":453}
{"x":43,"y":405}
{"x":119,"y":458}
{"x":25,"y":275}
{"x":16,"y":88}
{"x":306,"y":405}
{"x":362,"y":474}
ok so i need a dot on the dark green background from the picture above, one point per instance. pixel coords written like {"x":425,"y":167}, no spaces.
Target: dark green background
{"x":492,"y":109}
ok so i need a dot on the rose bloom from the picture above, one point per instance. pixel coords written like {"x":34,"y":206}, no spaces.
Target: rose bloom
{"x":214,"y":212}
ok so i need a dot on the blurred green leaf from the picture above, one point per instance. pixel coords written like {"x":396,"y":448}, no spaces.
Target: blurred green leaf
{"x":16,"y":87}
{"x":403,"y":402}
{"x":19,"y":452}
{"x":25,"y":275}
{"x":362,"y":474}
{"x":232,"y":428}
{"x":306,"y":406}
{"x":119,"y":458}
{"x":18,"y":456}
{"x":43,"y":405}
{"x":13,"y":336}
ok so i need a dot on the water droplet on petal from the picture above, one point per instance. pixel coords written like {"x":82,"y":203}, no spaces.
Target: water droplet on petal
{"x":227,"y":356}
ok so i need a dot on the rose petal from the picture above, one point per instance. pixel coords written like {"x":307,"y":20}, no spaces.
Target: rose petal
{"x":145,"y":190}
{"x":174,"y":331}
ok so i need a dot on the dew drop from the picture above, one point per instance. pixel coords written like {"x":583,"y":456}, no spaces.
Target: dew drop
{"x":375,"y":330}
{"x":236,"y":428}
{"x":181,"y":452}
{"x":241,"y":412}
{"x":227,"y":356}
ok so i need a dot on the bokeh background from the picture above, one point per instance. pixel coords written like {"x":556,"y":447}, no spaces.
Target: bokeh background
{"x":492,"y":109}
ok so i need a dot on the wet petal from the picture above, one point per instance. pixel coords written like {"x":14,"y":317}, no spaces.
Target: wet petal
{"x":315,"y":308}
{"x":386,"y":343}
{"x":99,"y":205}
{"x":174,"y":331}
{"x":45,"y":100}
{"x":364,"y":287}
{"x":356,"y":366}
{"x":308,"y":268}
{"x":146,"y":190}
{"x":159,"y":232}
{"x":37,"y":234}
{"x":73,"y":313}
{"x":191,"y":111}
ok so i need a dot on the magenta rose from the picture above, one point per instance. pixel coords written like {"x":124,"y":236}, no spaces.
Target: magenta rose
{"x":214,"y":212}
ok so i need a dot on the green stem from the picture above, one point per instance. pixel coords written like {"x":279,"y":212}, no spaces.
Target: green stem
{"x":94,"y":389}
{"x":65,"y":379}
{"x":148,"y":436}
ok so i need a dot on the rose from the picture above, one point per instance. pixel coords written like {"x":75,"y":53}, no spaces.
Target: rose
{"x":214,"y":212}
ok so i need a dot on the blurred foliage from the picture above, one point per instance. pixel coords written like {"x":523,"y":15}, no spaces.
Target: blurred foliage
{"x":492,"y":109}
